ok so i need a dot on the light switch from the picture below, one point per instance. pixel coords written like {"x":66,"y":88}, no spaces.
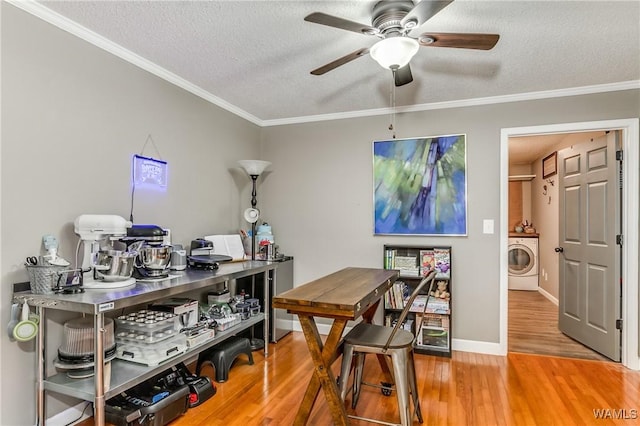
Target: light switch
{"x":487,"y":226}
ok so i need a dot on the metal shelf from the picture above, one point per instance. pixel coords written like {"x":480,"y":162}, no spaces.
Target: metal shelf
{"x":100,"y":301}
{"x":126,"y":374}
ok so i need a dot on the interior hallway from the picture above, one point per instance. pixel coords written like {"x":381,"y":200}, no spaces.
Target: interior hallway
{"x":533,"y":328}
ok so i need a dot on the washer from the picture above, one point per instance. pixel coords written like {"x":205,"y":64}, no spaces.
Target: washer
{"x":523,"y":263}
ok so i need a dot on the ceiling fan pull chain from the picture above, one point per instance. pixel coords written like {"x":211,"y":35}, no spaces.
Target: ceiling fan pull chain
{"x":392,"y":103}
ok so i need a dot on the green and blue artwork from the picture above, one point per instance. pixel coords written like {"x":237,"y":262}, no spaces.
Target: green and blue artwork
{"x":420,"y":186}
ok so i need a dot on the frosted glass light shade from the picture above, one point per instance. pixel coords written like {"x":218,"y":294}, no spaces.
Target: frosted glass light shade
{"x":254,"y":167}
{"x":394,"y":52}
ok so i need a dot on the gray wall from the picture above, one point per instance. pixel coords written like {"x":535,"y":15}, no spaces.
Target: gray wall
{"x":72,"y":117}
{"x":319,"y":194}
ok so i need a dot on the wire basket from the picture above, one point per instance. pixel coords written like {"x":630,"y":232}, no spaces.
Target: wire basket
{"x":45,"y":279}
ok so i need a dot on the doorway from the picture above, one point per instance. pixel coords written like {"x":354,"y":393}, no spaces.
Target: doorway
{"x":629,"y":128}
{"x":534,"y":207}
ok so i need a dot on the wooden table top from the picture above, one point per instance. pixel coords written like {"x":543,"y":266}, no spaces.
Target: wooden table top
{"x":343,"y":294}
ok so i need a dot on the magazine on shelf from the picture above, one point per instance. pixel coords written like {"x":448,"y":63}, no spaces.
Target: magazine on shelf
{"x":435,"y":306}
{"x":427,"y":262}
{"x":442,"y":262}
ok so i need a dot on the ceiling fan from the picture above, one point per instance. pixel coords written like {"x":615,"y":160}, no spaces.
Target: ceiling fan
{"x":392,"y":21}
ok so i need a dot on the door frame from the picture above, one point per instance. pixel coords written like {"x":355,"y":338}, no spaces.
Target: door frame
{"x":630,"y":213}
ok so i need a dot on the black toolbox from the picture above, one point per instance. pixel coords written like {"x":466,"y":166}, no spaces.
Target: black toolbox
{"x":150,"y":403}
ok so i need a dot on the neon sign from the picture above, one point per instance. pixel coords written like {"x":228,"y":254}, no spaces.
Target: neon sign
{"x":149,"y":172}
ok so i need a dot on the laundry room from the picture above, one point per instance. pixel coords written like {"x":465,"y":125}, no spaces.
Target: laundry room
{"x":534,"y":210}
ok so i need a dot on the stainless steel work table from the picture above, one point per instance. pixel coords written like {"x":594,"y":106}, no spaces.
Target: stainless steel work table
{"x":126,"y":374}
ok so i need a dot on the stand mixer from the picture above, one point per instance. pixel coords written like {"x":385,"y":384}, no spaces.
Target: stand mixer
{"x":153,"y":259}
{"x":104,"y":267}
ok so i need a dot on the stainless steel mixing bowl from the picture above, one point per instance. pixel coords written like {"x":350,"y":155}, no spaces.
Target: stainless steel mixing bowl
{"x":114,"y":265}
{"x":154,"y":258}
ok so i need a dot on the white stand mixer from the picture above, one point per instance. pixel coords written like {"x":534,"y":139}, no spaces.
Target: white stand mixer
{"x":93,"y":228}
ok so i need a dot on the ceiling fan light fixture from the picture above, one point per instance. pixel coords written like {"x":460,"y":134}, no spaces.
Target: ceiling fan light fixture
{"x":394,"y":52}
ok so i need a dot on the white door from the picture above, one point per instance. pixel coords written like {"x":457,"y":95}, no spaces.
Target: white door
{"x":589,"y":265}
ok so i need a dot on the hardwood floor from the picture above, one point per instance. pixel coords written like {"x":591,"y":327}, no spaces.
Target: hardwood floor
{"x":533,"y":328}
{"x":468,"y":389}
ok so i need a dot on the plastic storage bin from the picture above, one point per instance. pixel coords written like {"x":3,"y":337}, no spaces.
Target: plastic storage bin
{"x":152,"y":354}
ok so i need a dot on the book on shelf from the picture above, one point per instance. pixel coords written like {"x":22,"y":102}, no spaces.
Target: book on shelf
{"x":427,"y":261}
{"x":407,"y":265}
{"x":433,"y":337}
{"x":442,"y":261}
{"x":397,"y":294}
{"x":434,"y":306}
{"x":389,"y":256}
{"x":433,"y":320}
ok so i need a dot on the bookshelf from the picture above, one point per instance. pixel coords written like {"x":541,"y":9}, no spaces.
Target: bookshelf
{"x":430,"y":324}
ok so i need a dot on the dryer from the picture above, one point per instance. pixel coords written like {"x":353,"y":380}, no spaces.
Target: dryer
{"x":523,"y":263}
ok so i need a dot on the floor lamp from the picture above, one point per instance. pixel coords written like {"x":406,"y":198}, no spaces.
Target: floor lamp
{"x":254,"y":168}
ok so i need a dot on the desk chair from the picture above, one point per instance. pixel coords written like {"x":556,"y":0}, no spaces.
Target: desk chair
{"x":397,"y":345}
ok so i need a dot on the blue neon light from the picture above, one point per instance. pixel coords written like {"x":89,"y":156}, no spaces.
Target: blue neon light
{"x":149,"y":172}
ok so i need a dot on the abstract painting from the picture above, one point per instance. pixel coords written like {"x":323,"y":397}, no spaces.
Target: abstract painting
{"x":420,"y":186}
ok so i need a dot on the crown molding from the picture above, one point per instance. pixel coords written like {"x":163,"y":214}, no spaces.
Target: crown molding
{"x":518,"y":97}
{"x":48,"y":15}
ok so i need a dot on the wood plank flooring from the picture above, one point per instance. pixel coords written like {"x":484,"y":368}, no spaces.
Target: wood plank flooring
{"x":467,"y":389}
{"x":533,"y":328}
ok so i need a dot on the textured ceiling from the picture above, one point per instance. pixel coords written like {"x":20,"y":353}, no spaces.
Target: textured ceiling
{"x":254,"y":57}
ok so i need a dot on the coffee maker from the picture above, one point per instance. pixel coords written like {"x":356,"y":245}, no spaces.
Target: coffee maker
{"x":154,"y":257}
{"x":103,"y":267}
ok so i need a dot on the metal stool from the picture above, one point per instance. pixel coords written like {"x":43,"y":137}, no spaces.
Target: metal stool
{"x":395,"y":343}
{"x":223,"y":355}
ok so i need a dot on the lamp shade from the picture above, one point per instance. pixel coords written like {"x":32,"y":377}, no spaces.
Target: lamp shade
{"x":394,"y":52}
{"x":254,"y":167}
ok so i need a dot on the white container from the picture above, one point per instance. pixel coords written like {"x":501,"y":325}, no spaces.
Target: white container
{"x":152,"y":354}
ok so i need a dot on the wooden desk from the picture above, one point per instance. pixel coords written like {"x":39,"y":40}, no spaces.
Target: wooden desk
{"x":344,"y":295}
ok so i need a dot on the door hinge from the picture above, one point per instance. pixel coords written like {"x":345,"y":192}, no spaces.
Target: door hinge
{"x":619,"y":155}
{"x":619,"y":240}
{"x":618,"y":324}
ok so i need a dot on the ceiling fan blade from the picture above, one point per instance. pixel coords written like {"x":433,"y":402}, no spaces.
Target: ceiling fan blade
{"x":422,"y":11}
{"x":340,"y":61}
{"x":463,"y":41}
{"x":344,"y":24}
{"x":403,"y":76}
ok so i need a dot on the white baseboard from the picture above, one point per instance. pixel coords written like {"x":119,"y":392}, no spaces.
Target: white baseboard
{"x":476,"y":346}
{"x":71,"y":415}
{"x":457,"y":344}
{"x":548,"y":296}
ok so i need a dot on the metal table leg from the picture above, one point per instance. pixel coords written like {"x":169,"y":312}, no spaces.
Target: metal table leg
{"x":99,"y":401}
